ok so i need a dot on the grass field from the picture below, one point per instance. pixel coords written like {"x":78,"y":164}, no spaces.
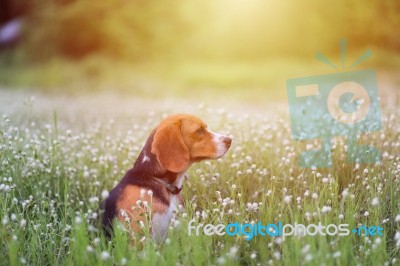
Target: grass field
{"x":60,"y":155}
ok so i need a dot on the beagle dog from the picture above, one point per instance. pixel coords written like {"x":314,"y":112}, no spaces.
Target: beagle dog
{"x":176,"y":143}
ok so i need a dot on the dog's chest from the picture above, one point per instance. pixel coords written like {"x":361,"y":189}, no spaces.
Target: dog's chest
{"x":161,"y":221}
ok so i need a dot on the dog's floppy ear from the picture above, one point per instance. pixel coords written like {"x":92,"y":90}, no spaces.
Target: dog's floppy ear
{"x":170,"y":149}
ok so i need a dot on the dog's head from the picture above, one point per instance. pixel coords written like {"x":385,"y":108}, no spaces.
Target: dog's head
{"x":182,"y":139}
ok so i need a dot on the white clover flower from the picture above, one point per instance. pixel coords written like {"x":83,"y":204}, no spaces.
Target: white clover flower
{"x":287,"y":199}
{"x":150,"y":193}
{"x":221,"y":260}
{"x":141,"y":224}
{"x":5,"y":220}
{"x":308,"y":257}
{"x":105,"y":255}
{"x":93,"y":199}
{"x":326,"y":209}
{"x":278,"y":240}
{"x":232,"y":251}
{"x":397,"y":218}
{"x":375,"y":202}
{"x":104,"y":194}
{"x":22,"y":260}
{"x":336,"y":254}
{"x":314,"y":195}
{"x":277,"y":255}
{"x":253,"y":255}
{"x":78,"y":220}
{"x":22,"y":224}
{"x":397,"y":238}
{"x":305,"y":249}
{"x":96,"y":241}
{"x":86,"y":174}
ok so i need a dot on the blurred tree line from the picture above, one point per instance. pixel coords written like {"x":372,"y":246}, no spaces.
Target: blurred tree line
{"x":117,"y":28}
{"x":138,"y":30}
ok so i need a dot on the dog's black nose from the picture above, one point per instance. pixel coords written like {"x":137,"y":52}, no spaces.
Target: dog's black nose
{"x":227,"y":141}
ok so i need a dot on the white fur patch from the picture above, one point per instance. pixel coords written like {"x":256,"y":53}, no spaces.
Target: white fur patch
{"x":161,"y":221}
{"x":179,"y":180}
{"x":145,"y":158}
{"x":218,"y":139}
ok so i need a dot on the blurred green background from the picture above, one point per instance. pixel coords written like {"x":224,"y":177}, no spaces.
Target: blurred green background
{"x":191,"y":48}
